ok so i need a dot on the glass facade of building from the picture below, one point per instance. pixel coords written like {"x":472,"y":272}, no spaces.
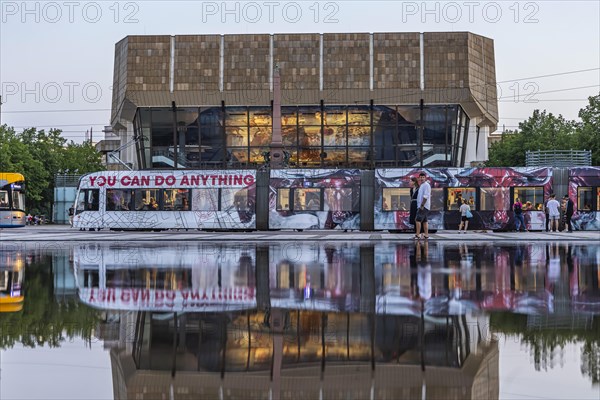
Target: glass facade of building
{"x":313,"y":136}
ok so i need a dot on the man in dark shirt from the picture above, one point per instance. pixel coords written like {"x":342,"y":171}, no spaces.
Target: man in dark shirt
{"x":568,"y":212}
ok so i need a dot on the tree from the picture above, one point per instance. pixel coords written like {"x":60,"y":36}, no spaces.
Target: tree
{"x":587,"y":134}
{"x":39,"y":156}
{"x":542,"y":131}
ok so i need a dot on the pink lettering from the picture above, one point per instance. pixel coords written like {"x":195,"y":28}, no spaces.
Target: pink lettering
{"x":126,"y":180}
{"x":170,"y":180}
{"x":145,"y":181}
{"x":185,"y":180}
{"x":112,"y":180}
{"x":92,"y":180}
{"x":248,"y":180}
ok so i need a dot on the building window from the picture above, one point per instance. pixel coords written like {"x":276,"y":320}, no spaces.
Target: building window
{"x":307,"y":199}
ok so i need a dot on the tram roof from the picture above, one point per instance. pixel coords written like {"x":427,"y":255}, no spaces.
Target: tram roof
{"x":10,"y":177}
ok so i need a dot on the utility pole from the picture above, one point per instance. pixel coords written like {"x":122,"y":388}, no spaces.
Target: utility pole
{"x":276,"y":148}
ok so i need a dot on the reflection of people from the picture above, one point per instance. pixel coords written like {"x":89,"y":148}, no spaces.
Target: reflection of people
{"x":312,"y":205}
{"x":424,"y":203}
{"x":71,"y":213}
{"x":385,"y":205}
{"x":153,"y":204}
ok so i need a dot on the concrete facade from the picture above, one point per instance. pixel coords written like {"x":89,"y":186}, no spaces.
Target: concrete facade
{"x":392,"y":68}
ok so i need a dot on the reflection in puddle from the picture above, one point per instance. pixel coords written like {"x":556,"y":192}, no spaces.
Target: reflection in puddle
{"x":325,"y":320}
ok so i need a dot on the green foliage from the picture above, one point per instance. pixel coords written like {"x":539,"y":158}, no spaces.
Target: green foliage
{"x":588,"y":131}
{"x":545,"y":131}
{"x":43,"y":321}
{"x":39,"y":156}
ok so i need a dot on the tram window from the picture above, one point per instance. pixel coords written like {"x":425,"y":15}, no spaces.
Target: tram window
{"x":205,"y":199}
{"x":173,"y":199}
{"x":18,"y":200}
{"x":493,"y":199}
{"x":535,"y":195}
{"x":598,"y":199}
{"x":307,"y":199}
{"x":395,"y":199}
{"x":437,"y":199}
{"x":338,"y":199}
{"x":236,"y":198}
{"x":4,"y":199}
{"x":146,"y":200}
{"x":119,"y":200}
{"x":88,"y":200}
{"x":283,"y":199}
{"x":457,"y":195}
{"x":584,"y":198}
{"x":176,"y":199}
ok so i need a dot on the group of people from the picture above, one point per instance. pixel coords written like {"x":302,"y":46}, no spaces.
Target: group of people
{"x":555,"y":213}
{"x":35,"y":219}
{"x":420,"y":205}
{"x":420,"y":193}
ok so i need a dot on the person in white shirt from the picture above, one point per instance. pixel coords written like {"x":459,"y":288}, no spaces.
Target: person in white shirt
{"x":553,"y":207}
{"x":463,"y":216}
{"x":424,"y":205}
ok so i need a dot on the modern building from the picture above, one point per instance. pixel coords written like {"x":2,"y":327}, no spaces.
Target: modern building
{"x":348,"y":99}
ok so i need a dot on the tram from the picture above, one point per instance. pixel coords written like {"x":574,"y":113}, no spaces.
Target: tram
{"x":12,"y":200}
{"x":12,"y":273}
{"x":346,"y":199}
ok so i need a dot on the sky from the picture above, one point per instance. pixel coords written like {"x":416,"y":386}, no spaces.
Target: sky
{"x":57,"y":58}
{"x":78,"y":370}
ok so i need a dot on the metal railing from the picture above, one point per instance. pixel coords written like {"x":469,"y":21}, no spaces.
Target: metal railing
{"x":558,"y":158}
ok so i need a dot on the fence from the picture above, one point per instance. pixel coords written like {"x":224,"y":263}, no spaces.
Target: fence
{"x":558,"y":158}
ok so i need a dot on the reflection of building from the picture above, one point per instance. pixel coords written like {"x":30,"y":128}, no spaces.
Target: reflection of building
{"x":310,"y":355}
{"x":396,"y":320}
{"x":348,"y":99}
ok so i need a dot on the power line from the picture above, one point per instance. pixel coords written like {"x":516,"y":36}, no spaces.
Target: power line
{"x":549,"y":75}
{"x":552,"y":91}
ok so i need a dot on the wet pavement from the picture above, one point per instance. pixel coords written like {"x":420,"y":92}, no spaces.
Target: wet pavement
{"x":61,"y":233}
{"x":115,"y":316}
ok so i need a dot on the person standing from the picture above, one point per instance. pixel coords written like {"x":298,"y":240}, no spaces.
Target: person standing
{"x":553,"y":207}
{"x":464,"y":219}
{"x":519,"y":219}
{"x":71,"y":214}
{"x":414,"y":193}
{"x":568,"y":213}
{"x":424,"y":203}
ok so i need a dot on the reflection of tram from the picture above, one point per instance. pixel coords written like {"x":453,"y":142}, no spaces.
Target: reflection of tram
{"x":348,"y":199}
{"x":12,"y":200}
{"x":12,"y":271}
{"x":194,"y":277}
